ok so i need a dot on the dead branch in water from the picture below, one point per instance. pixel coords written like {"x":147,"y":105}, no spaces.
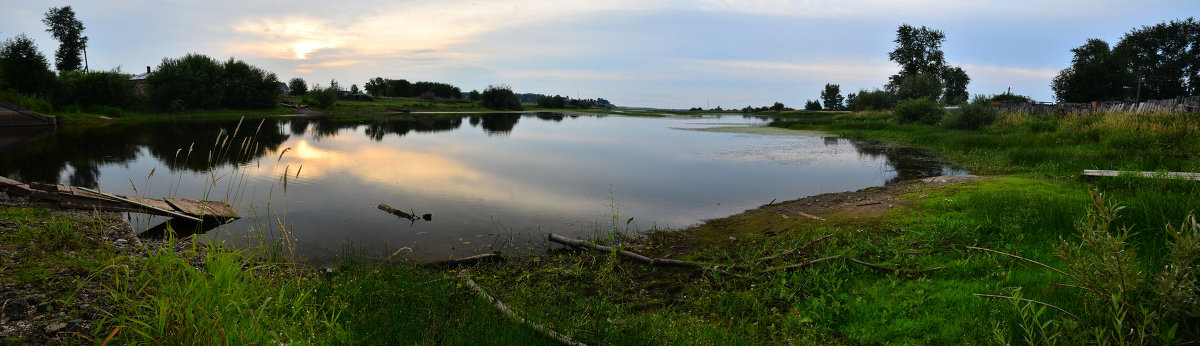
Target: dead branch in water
{"x":508,"y":312}
{"x":660,"y":262}
{"x":410,"y":216}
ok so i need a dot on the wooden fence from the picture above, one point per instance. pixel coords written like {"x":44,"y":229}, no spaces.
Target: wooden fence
{"x":1189,"y":104}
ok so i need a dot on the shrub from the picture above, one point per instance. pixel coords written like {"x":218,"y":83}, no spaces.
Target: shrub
{"x":871,"y":100}
{"x":500,"y":97}
{"x":107,"y":88}
{"x":297,"y":87}
{"x":922,"y":110}
{"x":971,"y":116}
{"x":919,"y":86}
{"x":324,"y":98}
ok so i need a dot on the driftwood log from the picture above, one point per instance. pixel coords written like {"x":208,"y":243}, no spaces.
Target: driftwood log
{"x":659,"y":262}
{"x":508,"y":312}
{"x":410,"y":216}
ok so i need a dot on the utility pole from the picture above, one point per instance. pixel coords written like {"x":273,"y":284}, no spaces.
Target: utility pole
{"x":1138,"y":98}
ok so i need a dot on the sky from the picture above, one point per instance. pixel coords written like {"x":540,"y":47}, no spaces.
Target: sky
{"x":639,"y":53}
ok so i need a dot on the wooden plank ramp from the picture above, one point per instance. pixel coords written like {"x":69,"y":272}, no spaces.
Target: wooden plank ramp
{"x":84,"y":198}
{"x":1168,"y":175}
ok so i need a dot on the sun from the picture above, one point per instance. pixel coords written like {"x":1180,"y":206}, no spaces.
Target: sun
{"x":302,"y":49}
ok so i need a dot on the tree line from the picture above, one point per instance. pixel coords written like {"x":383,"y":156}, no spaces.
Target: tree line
{"x":1152,"y":62}
{"x":192,"y":81}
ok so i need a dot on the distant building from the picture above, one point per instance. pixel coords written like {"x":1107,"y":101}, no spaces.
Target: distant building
{"x":283,"y":87}
{"x":139,"y":82}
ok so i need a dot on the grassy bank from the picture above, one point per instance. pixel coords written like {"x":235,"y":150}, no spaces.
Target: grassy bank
{"x":1105,"y":261}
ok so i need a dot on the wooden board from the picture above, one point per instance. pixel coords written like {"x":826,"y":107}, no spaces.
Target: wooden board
{"x":1169,"y":175}
{"x":157,"y":203}
{"x":203,"y":208}
{"x":14,"y":188}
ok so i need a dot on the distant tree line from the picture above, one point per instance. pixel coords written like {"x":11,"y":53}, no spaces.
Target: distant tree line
{"x":563,"y":102}
{"x":1152,"y":62}
{"x":193,"y":81}
{"x":380,"y":86}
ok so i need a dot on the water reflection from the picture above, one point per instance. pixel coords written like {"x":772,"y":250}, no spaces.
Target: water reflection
{"x":553,"y":172}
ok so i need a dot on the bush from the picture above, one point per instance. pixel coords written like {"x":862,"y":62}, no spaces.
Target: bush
{"x":871,"y":101}
{"x":324,"y":98}
{"x":358,"y":97}
{"x":919,"y":86}
{"x":972,"y":116}
{"x":922,"y":110}
{"x":500,"y":97}
{"x":108,"y":88}
{"x":200,"y":82}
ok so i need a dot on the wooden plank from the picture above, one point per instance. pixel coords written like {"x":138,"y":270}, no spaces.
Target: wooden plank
{"x":1169,"y":175}
{"x":14,"y":188}
{"x":156,"y":203}
{"x":170,"y":212}
{"x":203,"y":208}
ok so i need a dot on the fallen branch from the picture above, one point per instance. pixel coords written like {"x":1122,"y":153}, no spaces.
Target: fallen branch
{"x":410,"y":216}
{"x":1030,"y":261}
{"x":508,"y":312}
{"x":660,"y":262}
{"x":802,"y":249}
{"x":1026,"y":300}
{"x":892,"y":270}
{"x":469,"y":260}
{"x":802,"y":265}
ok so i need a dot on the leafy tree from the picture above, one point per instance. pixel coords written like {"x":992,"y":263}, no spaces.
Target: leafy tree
{"x":247,"y":86}
{"x":297,"y":86}
{"x":870,"y":100}
{"x":955,"y":80}
{"x":922,"y":110}
{"x":778,"y":107}
{"x":1166,"y":56}
{"x":918,"y":51}
{"x":831,"y":97}
{"x":61,"y":24}
{"x":811,"y":105}
{"x":850,"y":99}
{"x":474,"y":96}
{"x":325,"y":97}
{"x":87,"y":89}
{"x":353,"y":88}
{"x":922,"y":85}
{"x":1096,"y":74}
{"x":500,"y":97}
{"x":193,"y":81}
{"x":376,"y":86}
{"x":555,"y":102}
{"x":24,"y":68}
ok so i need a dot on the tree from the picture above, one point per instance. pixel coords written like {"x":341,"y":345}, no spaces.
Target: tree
{"x":778,"y":107}
{"x":831,"y":97}
{"x":193,"y":81}
{"x":247,"y":86}
{"x":61,"y":24}
{"x":811,"y":105}
{"x":921,"y":85}
{"x":297,"y":86}
{"x":1163,"y":60}
{"x":870,"y":100}
{"x":474,"y":96}
{"x":353,"y":88}
{"x":955,"y":80}
{"x":24,"y":68}
{"x":500,"y":97}
{"x":1095,"y":74}
{"x":918,"y":50}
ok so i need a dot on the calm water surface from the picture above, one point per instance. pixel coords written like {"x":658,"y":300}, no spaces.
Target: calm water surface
{"x":498,"y":181}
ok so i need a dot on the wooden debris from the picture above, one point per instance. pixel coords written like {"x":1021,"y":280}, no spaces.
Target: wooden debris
{"x":410,"y":216}
{"x":801,"y":250}
{"x":14,"y":188}
{"x":508,"y":312}
{"x":814,"y":217}
{"x":208,"y":209}
{"x":1168,"y":175}
{"x":659,"y":262}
